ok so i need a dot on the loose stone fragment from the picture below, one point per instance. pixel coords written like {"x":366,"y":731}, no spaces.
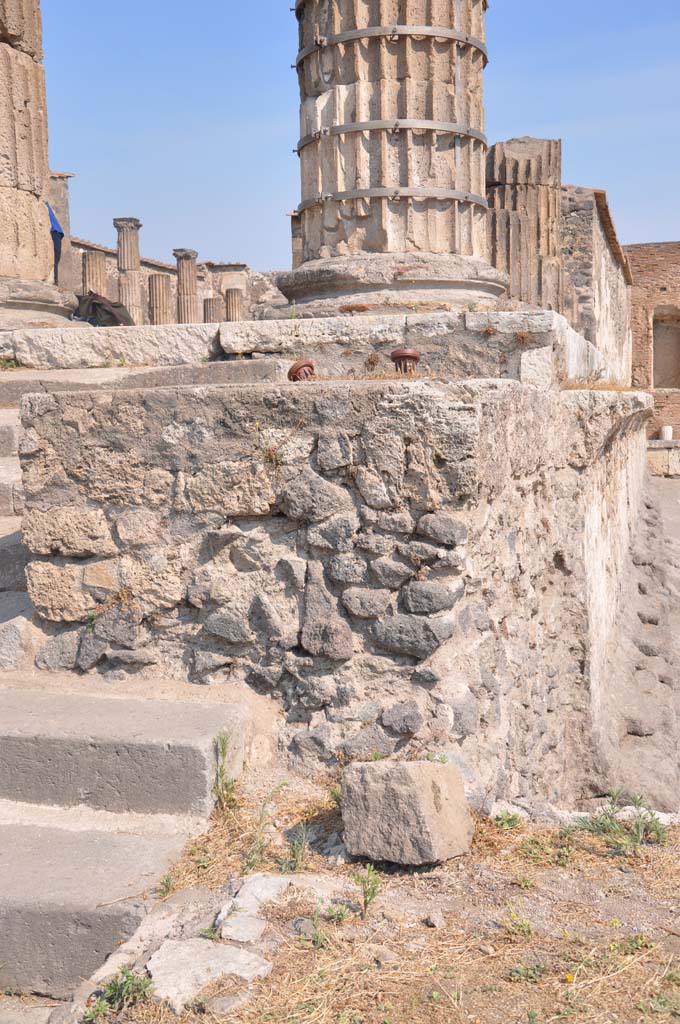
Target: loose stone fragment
{"x":405,"y":812}
{"x":180,"y":970}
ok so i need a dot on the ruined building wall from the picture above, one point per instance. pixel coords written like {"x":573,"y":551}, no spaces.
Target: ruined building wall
{"x":600,"y":275}
{"x":656,"y":308}
{"x":25,"y":242}
{"x":401,"y":566}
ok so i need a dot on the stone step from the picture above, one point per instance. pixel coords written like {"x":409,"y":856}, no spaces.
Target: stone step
{"x":115,"y":754}
{"x":9,"y":432}
{"x":73,"y":886}
{"x":16,"y":383}
{"x":11,"y":490}
{"x":13,"y":555}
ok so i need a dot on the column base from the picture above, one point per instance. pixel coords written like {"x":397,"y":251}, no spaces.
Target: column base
{"x":372,"y":283}
{"x":33,"y":304}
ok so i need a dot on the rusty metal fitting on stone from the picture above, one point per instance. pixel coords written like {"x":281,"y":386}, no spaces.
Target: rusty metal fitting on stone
{"x":304,"y":369}
{"x":406,"y":360}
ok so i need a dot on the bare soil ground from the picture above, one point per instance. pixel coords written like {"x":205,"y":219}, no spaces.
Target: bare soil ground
{"x":538,"y":926}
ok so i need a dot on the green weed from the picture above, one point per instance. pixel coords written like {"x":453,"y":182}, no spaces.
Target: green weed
{"x":299,"y":851}
{"x":507,"y":821}
{"x":515,"y":925}
{"x":533,"y":973}
{"x":625,"y":835}
{"x":224,"y":787}
{"x":165,"y":886}
{"x":126,"y":990}
{"x":369,"y":883}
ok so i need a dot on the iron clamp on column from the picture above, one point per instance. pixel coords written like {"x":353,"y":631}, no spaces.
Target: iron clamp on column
{"x":393,"y":33}
{"x":394,"y":194}
{"x":401,"y":124}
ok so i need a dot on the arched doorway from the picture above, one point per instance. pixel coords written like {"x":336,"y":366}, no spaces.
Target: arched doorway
{"x":667,"y":348}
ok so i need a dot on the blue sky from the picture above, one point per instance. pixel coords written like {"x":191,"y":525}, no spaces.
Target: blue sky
{"x":185,"y":114}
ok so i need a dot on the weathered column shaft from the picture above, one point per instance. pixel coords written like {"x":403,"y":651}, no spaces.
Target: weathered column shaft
{"x":392,"y":145}
{"x":160,"y":299}
{"x":392,"y":158}
{"x":128,"y":242}
{"x":524,"y":179}
{"x":94,"y":272}
{"x":25,"y":243}
{"x":130,"y":285}
{"x":234,"y":305}
{"x":130,"y":294}
{"x":213,"y":310}
{"x":188,"y":309}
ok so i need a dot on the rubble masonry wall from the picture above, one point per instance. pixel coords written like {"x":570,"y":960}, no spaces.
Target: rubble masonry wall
{"x":402,"y":566}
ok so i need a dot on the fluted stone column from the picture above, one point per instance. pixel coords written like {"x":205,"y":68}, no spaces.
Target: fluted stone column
{"x":129,"y":267}
{"x":524,"y":180}
{"x":392,"y":155}
{"x":234,"y":303}
{"x":188,"y":309}
{"x":94,"y":272}
{"x":25,"y":242}
{"x":160,"y":299}
{"x":213,"y":310}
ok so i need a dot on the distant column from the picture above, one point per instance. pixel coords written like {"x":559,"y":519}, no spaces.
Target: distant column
{"x":129,"y":266}
{"x":160,"y":299}
{"x":234,"y":303}
{"x":187,"y":286}
{"x":94,"y":272}
{"x":128,"y":242}
{"x":213,"y":310}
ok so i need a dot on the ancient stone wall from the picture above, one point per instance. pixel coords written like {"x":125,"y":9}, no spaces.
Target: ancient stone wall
{"x":655,"y":297}
{"x":600,"y":275}
{"x":25,"y":243}
{"x":401,"y":566}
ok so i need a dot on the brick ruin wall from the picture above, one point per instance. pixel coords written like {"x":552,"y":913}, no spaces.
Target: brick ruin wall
{"x":656,"y":290}
{"x":431,"y":566}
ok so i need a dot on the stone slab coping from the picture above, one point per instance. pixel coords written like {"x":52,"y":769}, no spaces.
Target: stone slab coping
{"x":656,"y":445}
{"x":536,"y":346}
{"x":16,"y":383}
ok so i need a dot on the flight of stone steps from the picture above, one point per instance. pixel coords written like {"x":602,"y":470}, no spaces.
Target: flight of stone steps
{"x":98,"y":795}
{"x":100,"y":788}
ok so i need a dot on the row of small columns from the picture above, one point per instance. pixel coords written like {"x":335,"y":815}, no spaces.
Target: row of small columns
{"x":130,"y":283}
